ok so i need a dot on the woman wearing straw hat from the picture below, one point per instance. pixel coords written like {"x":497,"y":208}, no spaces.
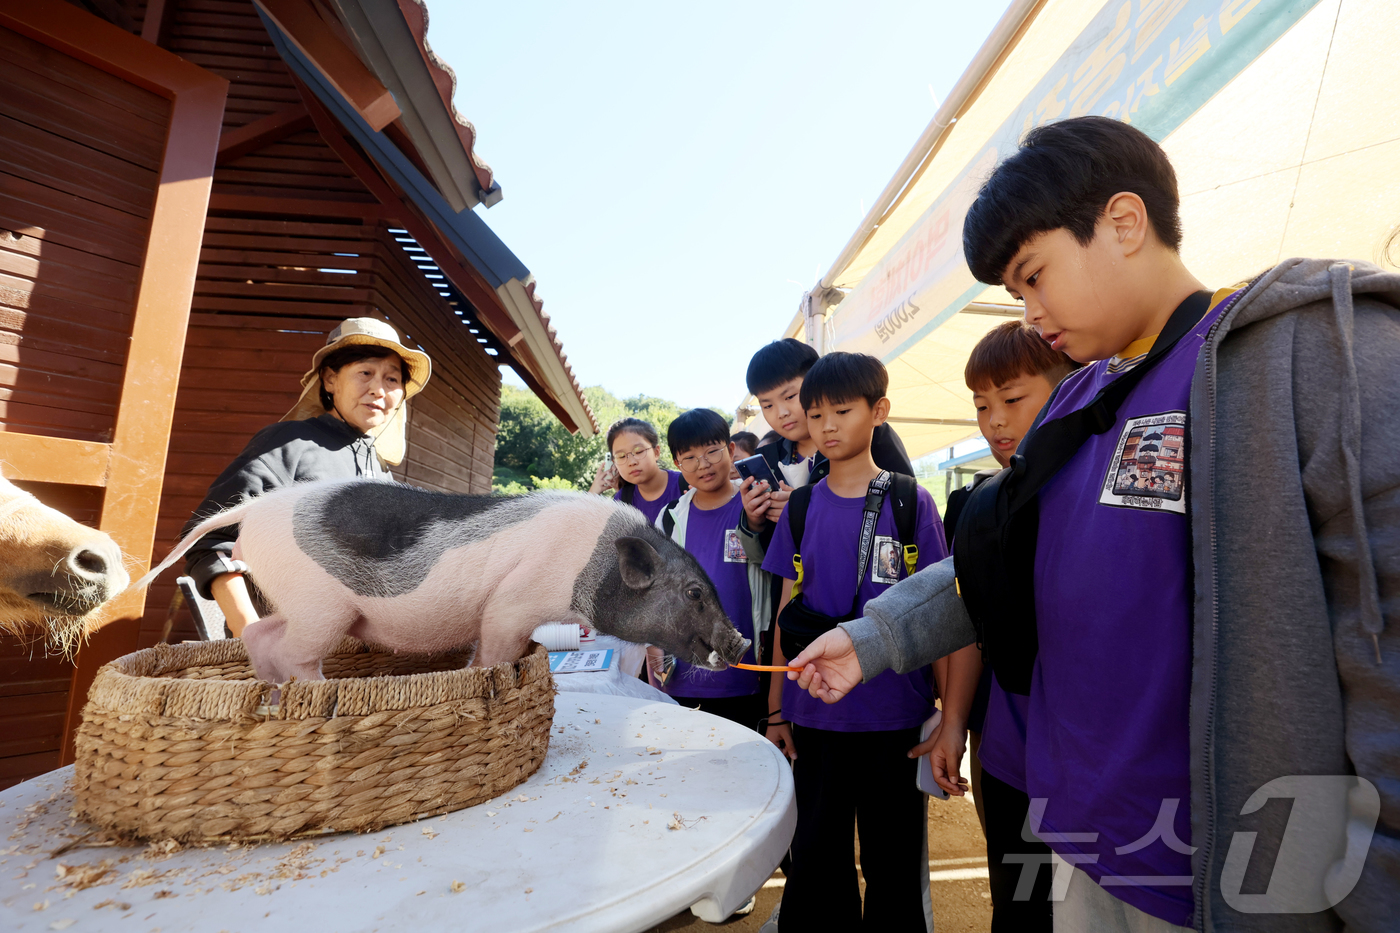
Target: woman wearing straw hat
{"x":348,"y":423}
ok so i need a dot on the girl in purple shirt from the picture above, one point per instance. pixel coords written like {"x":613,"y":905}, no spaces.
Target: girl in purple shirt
{"x":634,"y":469}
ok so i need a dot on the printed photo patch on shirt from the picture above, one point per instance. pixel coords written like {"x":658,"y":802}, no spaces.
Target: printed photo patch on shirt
{"x":1148,"y":470}
{"x":886,"y":558}
{"x":734,"y":548}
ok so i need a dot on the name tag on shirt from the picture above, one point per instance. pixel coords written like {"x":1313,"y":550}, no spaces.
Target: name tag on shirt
{"x":1148,"y":470}
{"x":886,"y":558}
{"x":734,"y":548}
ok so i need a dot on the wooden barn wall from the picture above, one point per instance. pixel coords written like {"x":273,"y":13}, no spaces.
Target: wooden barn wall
{"x":78,"y":173}
{"x":228,"y":38}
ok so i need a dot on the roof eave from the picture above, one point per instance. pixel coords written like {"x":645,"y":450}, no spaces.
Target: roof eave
{"x":387,"y":44}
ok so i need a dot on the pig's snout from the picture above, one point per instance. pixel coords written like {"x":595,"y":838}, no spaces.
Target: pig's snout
{"x":727,"y":646}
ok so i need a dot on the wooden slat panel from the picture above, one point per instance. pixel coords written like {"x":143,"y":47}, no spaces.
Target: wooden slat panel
{"x":41,"y":99}
{"x":107,"y":90}
{"x":74,"y":168}
{"x":78,"y":178}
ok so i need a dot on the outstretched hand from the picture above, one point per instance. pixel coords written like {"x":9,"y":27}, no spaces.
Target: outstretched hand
{"x":830,"y":668}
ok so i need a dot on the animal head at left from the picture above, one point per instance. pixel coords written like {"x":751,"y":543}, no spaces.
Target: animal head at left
{"x":55,"y":574}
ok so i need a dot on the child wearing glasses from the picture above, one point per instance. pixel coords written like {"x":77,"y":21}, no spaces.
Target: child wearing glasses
{"x":634,"y":469}
{"x":704,"y":521}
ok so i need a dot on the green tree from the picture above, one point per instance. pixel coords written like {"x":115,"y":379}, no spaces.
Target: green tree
{"x":531,"y":441}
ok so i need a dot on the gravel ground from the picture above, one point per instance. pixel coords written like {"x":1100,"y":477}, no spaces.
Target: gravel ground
{"x":956,"y":849}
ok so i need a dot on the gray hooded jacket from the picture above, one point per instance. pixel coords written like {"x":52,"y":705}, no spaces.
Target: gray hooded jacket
{"x":1295,"y":528}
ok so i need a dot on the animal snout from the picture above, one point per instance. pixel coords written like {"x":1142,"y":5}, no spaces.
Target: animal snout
{"x":95,"y":573}
{"x":728,"y":643}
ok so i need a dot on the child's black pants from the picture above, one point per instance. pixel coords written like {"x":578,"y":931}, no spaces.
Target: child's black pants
{"x":847,"y":781}
{"x":1006,"y":808}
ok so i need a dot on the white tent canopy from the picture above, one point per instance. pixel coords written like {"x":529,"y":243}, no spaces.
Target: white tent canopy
{"x":1257,"y":103}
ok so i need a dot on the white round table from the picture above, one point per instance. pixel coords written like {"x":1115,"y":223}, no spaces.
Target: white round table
{"x":639,"y":811}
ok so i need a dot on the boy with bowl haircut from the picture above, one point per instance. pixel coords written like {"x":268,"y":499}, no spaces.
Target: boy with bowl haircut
{"x":705,"y":522}
{"x":1208,"y":570}
{"x":851,"y":763}
{"x":1011,"y":373}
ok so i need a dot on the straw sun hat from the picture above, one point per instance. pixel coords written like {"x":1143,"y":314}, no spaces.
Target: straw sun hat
{"x":388,"y":437}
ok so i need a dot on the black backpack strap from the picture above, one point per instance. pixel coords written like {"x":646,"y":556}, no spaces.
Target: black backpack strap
{"x":905,"y":505}
{"x":797,"y":523}
{"x":628,"y":493}
{"x":685,"y":485}
{"x":668,"y":517}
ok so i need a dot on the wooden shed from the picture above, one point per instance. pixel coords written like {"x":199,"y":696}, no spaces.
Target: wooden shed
{"x":193,"y":193}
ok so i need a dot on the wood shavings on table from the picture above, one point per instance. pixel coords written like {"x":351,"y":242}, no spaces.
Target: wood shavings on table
{"x":79,"y":877}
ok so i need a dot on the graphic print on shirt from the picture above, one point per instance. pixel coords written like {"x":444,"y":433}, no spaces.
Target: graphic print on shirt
{"x":734,"y":548}
{"x":1148,"y":470}
{"x":886,"y":560}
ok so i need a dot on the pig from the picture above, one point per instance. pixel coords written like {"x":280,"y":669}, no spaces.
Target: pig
{"x":410,"y":570}
{"x":55,"y":574}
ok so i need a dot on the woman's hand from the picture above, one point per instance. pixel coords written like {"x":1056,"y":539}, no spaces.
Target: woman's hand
{"x":756,"y":496}
{"x":780,"y":734}
{"x":830,"y":668}
{"x":777,"y":500}
{"x":604,"y":479}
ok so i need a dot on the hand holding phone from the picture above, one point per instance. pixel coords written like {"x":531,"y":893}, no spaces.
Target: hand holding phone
{"x":759,"y":469}
{"x":756,"y":498}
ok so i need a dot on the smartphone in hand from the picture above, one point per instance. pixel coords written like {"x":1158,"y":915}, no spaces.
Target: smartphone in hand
{"x":758,"y":468}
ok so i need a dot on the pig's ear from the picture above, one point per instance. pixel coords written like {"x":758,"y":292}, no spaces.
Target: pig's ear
{"x":638,"y":562}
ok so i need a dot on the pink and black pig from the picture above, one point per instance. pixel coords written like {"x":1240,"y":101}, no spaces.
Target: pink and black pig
{"x":416,"y":571}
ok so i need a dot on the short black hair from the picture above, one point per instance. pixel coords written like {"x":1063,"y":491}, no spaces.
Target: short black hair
{"x":844,"y":377}
{"x":1063,"y":176}
{"x":779,"y":362}
{"x":696,"y":428}
{"x":747,"y":440}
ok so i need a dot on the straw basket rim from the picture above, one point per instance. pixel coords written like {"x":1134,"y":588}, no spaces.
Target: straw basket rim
{"x":205,"y":759}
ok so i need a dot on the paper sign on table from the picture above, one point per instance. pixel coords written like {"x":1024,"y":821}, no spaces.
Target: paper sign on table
{"x":579,"y":662}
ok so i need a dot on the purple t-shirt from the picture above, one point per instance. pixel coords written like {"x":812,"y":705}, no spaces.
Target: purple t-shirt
{"x":829,"y":560}
{"x":1003,"y":748}
{"x":652,"y":507}
{"x":712,"y":538}
{"x":1107,"y":737}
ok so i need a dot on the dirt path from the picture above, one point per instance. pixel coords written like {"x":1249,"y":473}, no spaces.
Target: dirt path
{"x":957,"y":878}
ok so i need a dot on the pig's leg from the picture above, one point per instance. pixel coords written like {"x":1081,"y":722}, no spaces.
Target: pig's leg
{"x":501,"y":637}
{"x":263,"y":640}
{"x":281,"y":651}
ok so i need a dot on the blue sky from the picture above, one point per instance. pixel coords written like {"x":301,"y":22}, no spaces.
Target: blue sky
{"x":676,"y":175}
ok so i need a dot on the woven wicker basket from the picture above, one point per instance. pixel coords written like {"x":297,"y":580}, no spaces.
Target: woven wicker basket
{"x":178,"y":742}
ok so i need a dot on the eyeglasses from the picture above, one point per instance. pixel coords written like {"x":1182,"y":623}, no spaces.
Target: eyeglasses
{"x":632,"y":456}
{"x":690,"y":462}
